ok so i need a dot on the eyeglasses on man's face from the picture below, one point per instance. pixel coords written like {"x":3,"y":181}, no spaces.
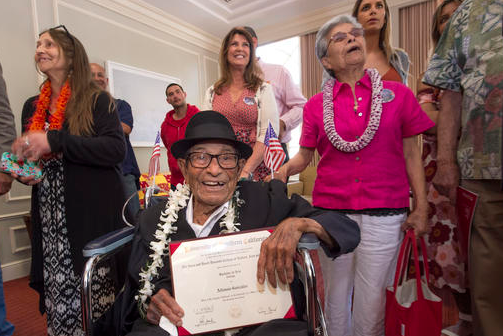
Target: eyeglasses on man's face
{"x":203,"y":160}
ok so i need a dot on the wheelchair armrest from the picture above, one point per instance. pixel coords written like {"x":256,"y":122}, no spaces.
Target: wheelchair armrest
{"x":309,"y":241}
{"x":109,"y":242}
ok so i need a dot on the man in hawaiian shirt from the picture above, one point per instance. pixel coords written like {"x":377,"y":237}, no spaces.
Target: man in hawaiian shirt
{"x":468,"y":65}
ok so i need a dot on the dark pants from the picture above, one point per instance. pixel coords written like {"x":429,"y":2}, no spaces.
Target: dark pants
{"x":285,"y":149}
{"x":143,"y":328}
{"x":5,"y":327}
{"x":486,"y":257}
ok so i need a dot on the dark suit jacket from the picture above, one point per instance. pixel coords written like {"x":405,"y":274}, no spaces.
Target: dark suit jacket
{"x":7,"y":129}
{"x":266,"y":204}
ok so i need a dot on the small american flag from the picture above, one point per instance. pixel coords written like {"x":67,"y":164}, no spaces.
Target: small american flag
{"x":274,"y":154}
{"x":154,"y":165}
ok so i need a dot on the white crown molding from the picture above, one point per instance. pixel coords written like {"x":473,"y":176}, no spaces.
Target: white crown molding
{"x":206,"y":83}
{"x":241,"y":13}
{"x":210,"y":11}
{"x":403,"y":3}
{"x":155,"y":18}
{"x":257,"y":13}
{"x":217,"y":3}
{"x":125,"y":27}
{"x":303,"y":24}
{"x":200,"y":73}
{"x":210,"y":59}
{"x":312,"y":21}
{"x":34,"y":19}
{"x":263,"y":4}
{"x":236,"y":12}
{"x":201,"y":93}
{"x":55,"y":12}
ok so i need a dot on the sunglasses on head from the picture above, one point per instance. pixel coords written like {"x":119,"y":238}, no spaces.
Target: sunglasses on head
{"x":67,"y":33}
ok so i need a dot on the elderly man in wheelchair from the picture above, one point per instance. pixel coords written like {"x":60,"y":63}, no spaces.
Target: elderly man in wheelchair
{"x":213,"y":202}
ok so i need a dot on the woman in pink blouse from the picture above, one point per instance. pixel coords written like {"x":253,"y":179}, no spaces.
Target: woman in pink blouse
{"x":244,"y":99}
{"x":365,"y":130}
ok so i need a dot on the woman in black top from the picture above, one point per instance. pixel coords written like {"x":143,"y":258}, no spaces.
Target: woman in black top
{"x":72,"y":128}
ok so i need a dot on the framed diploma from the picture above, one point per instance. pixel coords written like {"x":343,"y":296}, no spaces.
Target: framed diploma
{"x":215,"y":282}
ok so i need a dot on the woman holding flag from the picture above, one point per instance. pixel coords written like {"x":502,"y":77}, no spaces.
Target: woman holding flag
{"x":72,"y":129}
{"x":244,"y":99}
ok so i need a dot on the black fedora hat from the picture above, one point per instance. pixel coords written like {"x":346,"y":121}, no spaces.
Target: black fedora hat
{"x":209,"y":125}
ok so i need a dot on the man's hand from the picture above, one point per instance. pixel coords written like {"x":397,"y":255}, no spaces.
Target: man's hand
{"x":417,"y":220}
{"x":278,"y":175}
{"x":446,"y":179}
{"x":282,"y":129}
{"x":163,"y":304}
{"x":5,"y":183}
{"x":277,"y":251}
{"x":126,"y":128}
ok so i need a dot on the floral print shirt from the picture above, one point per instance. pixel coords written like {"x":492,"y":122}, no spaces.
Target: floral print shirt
{"x":469,"y":59}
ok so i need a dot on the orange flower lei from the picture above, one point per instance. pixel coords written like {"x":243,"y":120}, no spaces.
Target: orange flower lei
{"x":44,"y":99}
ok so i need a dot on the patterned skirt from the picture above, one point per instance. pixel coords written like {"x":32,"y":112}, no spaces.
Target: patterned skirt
{"x":61,"y":284}
{"x":446,"y":265}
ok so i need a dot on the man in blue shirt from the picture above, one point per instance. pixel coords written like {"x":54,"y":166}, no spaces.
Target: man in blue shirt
{"x":7,"y":136}
{"x":130,"y":170}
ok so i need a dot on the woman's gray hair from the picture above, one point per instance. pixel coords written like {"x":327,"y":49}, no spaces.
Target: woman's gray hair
{"x":321,"y":44}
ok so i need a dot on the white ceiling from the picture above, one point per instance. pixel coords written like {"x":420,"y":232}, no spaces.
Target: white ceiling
{"x":217,"y":17}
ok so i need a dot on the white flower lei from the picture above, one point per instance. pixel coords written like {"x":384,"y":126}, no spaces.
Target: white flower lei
{"x":374,"y":120}
{"x":178,"y":199}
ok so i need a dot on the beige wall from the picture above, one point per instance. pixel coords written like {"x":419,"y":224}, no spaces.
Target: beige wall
{"x":108,"y":32}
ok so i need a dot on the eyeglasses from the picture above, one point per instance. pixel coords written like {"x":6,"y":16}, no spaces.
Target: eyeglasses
{"x":203,"y":160}
{"x":342,"y":36}
{"x":67,"y":34}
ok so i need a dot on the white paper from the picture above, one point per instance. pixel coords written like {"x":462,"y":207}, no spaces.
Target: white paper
{"x":165,"y":324}
{"x":215,"y":282}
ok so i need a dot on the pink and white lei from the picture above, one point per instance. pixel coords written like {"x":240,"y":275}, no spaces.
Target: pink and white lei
{"x":374,"y":120}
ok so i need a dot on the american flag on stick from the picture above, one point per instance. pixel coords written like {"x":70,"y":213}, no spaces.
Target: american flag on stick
{"x":274,"y":154}
{"x":154,"y":165}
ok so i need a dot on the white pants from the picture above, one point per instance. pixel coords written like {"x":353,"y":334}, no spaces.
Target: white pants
{"x":368,"y":270}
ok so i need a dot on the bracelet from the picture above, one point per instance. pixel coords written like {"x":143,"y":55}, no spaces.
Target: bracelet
{"x":249,"y":178}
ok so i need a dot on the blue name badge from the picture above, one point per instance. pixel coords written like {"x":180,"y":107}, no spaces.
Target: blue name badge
{"x":387,"y":95}
{"x":249,"y":100}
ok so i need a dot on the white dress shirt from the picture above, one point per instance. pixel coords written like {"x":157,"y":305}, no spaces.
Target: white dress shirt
{"x":205,"y":229}
{"x":288,"y":96}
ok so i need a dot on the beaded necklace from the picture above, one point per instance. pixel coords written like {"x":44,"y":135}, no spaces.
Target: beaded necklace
{"x":39,"y":118}
{"x":373,"y":123}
